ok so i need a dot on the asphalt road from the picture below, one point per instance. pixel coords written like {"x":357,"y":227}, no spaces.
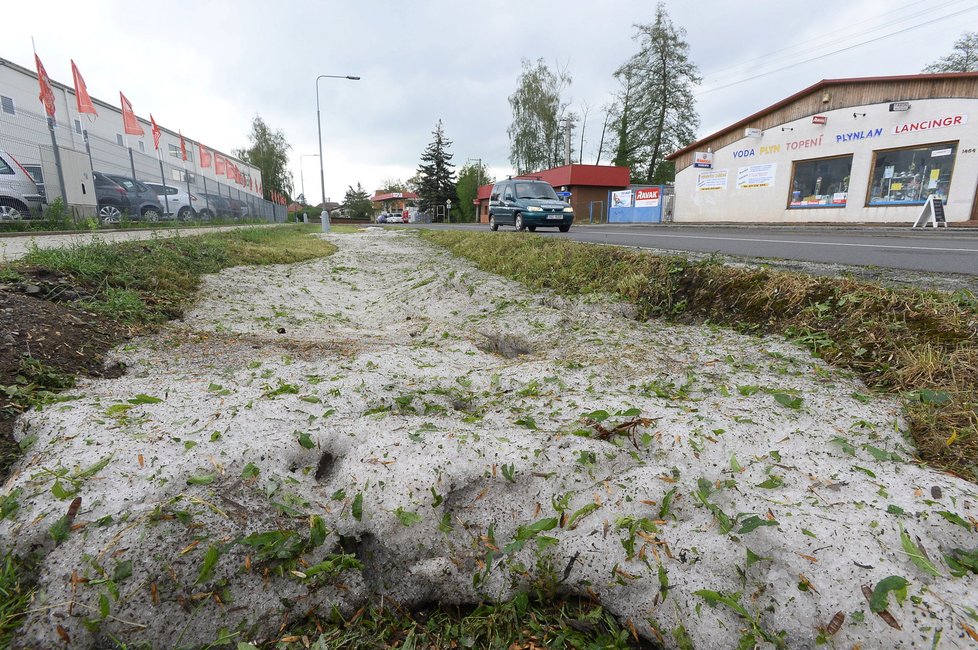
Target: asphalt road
{"x":933,"y":251}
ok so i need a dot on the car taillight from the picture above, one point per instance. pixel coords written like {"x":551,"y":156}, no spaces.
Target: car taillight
{"x":121,"y":190}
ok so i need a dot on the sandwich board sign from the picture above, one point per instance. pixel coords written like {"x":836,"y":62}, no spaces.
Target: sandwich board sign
{"x":932,"y":213}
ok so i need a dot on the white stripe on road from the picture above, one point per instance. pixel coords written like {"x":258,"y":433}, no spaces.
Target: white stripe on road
{"x":797,"y":241}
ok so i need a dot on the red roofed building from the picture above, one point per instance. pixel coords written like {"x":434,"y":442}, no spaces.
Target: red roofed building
{"x":588,"y":184}
{"x":393,"y":201}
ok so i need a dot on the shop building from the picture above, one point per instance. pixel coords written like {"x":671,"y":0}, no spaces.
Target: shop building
{"x":588,"y":185}
{"x":861,"y":151}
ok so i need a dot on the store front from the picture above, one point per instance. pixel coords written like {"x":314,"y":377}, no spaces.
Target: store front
{"x":819,"y":157}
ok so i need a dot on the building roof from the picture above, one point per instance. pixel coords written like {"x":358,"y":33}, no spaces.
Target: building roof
{"x":574,"y":175}
{"x":390,"y":196}
{"x":820,"y":86}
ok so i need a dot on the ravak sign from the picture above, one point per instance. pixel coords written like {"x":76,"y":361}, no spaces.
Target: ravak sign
{"x":647,"y":198}
{"x":927,"y":125}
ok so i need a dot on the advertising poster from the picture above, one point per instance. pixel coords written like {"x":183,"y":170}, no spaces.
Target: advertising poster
{"x":647,"y":198}
{"x":756,"y":176}
{"x":715,"y":180}
{"x":703,"y":159}
{"x":621,"y":199}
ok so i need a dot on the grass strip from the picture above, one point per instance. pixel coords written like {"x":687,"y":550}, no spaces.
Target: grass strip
{"x":141,"y":283}
{"x":920,"y":345}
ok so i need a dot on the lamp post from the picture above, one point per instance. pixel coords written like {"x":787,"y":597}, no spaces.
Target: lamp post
{"x":319,"y":127}
{"x":302,"y":177}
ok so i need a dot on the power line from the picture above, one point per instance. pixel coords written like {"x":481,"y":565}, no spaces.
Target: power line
{"x":839,"y":51}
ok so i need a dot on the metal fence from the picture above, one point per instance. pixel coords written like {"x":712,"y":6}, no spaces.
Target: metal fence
{"x":25,"y":134}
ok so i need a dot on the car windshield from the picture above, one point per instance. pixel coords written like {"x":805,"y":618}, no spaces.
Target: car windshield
{"x":535,"y":191}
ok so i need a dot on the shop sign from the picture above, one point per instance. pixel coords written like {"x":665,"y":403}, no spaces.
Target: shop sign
{"x":647,"y":198}
{"x":819,"y":119}
{"x":756,"y":176}
{"x":715,"y":180}
{"x":621,"y":199}
{"x":805,"y":144}
{"x":926,"y":125}
{"x":859,"y":135}
{"x":753,"y":133}
{"x":703,"y":159}
{"x":744,"y":153}
{"x":937,"y":153}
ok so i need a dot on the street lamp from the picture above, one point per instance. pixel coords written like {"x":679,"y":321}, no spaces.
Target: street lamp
{"x":319,"y":126}
{"x":302,"y":176}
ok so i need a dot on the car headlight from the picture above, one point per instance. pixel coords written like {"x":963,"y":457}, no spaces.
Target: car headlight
{"x":534,"y":208}
{"x":568,"y":209}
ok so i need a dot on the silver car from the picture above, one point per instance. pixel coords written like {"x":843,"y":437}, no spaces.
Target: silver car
{"x":179,"y":202}
{"x":19,"y":198}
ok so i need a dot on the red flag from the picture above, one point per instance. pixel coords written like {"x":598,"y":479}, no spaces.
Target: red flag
{"x":229,"y":169}
{"x":205,"y":156}
{"x":47,"y":95}
{"x":220,"y":165}
{"x":183,"y":147}
{"x":156,"y":132}
{"x":85,"y":104}
{"x":129,"y":122}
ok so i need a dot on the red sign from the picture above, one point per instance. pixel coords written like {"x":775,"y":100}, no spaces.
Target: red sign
{"x":649,"y":194}
{"x":819,"y":119}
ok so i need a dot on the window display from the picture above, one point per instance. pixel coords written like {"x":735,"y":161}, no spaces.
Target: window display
{"x":909,"y":176}
{"x":822,"y":183}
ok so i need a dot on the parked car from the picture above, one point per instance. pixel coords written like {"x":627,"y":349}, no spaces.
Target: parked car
{"x":382,"y":217}
{"x":215,"y":205}
{"x":239,"y":208}
{"x":181,"y":205}
{"x":19,"y":197}
{"x":112,"y":198}
{"x":528,"y":204}
{"x":140,"y":200}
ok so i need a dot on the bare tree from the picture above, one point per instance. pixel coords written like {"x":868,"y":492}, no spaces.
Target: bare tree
{"x":963,"y":59}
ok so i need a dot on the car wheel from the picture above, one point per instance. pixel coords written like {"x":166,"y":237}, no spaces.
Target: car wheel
{"x":518,"y":221}
{"x":10,"y":212}
{"x":531,"y":228}
{"x":109,"y":214}
{"x":206,"y":214}
{"x":492,"y":223}
{"x":185,"y":214}
{"x":151,"y":214}
{"x":563,"y":228}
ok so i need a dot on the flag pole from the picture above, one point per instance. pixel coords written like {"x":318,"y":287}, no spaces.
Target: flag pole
{"x":54,"y":141}
{"x":166,"y":197}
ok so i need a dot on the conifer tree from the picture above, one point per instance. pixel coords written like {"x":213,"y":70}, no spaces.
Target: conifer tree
{"x":436,"y":173}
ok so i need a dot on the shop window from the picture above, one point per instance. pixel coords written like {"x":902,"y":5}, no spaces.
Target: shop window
{"x":821,"y":183}
{"x":908,"y":176}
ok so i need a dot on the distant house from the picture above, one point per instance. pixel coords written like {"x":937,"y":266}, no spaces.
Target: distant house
{"x":392,"y":201}
{"x":588,"y":185}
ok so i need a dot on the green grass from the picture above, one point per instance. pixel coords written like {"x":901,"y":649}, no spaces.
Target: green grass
{"x":524,"y":622}
{"x":16,"y":592}
{"x":144,"y":282}
{"x":920,"y":345}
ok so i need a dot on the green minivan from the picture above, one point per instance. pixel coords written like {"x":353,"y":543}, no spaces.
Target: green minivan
{"x":527,"y":205}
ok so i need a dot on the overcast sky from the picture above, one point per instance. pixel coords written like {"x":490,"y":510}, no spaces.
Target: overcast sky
{"x":207,"y":67}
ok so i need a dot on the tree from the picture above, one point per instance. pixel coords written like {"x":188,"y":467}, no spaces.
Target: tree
{"x":436,"y":183}
{"x":538,"y":106}
{"x":269,"y":152}
{"x":357,"y":202}
{"x":963,"y":59}
{"x":389,"y":185}
{"x":655,"y":112}
{"x":470,"y":177}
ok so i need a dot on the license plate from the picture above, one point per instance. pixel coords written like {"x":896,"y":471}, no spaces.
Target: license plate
{"x":555,"y":216}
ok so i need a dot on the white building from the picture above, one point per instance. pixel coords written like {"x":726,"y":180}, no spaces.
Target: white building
{"x":24,"y":134}
{"x":858,"y":151}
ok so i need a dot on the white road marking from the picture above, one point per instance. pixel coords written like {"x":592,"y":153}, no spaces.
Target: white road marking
{"x":798,"y":241}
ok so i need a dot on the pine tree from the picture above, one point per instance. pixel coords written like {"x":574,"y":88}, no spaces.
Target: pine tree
{"x":655,"y":110}
{"x":436,"y":182}
{"x":963,"y":59}
{"x":357,"y":202}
